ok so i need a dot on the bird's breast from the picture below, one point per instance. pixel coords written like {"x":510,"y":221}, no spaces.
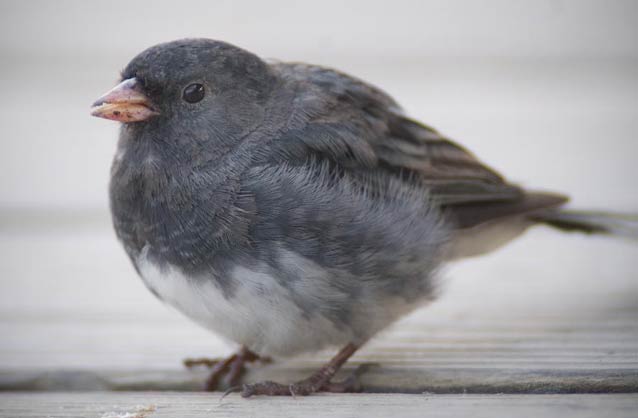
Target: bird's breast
{"x":257,"y":311}
{"x":179,"y":212}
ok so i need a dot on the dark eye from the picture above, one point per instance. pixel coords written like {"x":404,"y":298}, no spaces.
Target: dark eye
{"x":193,"y":93}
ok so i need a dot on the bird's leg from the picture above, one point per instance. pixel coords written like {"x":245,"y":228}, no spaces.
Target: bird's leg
{"x":232,"y":367}
{"x":318,"y":382}
{"x":218,"y":371}
{"x":237,"y":367}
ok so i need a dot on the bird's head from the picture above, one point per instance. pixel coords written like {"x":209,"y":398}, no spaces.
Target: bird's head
{"x":192,"y":85}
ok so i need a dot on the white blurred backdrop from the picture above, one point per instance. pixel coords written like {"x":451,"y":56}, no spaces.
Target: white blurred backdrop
{"x":546,"y":91}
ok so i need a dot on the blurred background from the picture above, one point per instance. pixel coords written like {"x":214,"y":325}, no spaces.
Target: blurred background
{"x":546,"y":91}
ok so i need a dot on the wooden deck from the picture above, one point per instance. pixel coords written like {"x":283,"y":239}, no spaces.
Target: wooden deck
{"x":189,"y":405}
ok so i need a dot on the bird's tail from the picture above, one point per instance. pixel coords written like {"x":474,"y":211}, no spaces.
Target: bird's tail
{"x":591,"y":222}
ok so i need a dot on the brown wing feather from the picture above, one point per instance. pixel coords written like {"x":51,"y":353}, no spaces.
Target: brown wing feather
{"x":452,"y":173}
{"x":364,"y":129}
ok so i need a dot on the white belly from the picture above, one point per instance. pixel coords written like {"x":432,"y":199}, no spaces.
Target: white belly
{"x":260,"y":314}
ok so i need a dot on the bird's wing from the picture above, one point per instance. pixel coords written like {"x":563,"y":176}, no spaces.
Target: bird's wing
{"x":364,"y":130}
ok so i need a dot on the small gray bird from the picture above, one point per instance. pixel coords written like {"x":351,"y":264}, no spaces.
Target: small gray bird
{"x":289,"y":207}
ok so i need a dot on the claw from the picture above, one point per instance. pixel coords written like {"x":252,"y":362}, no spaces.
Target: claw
{"x":229,"y":391}
{"x":266,"y":388}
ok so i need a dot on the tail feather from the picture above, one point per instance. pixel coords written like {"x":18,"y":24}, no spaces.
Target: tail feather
{"x":591,"y":222}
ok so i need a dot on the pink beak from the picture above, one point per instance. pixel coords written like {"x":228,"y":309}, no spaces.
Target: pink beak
{"x":124,"y":103}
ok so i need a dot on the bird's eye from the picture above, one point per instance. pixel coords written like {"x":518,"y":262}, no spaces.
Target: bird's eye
{"x":193,"y":93}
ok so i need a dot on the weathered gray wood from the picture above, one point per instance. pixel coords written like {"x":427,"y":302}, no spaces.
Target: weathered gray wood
{"x":187,"y":405}
{"x":376,"y":380}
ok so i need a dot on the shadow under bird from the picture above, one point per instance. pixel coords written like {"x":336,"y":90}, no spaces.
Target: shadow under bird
{"x":289,"y":207}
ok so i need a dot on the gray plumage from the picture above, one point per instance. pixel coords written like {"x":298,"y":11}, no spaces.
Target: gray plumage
{"x":295,"y":207}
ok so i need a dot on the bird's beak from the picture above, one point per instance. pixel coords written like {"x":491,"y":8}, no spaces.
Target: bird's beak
{"x":124,"y":103}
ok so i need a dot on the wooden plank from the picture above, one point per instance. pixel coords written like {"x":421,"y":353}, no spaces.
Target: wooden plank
{"x":376,"y":380}
{"x":188,"y":405}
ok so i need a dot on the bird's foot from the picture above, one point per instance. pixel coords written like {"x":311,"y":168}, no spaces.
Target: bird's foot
{"x":228,"y":371}
{"x":204,"y":361}
{"x":308,"y":386}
